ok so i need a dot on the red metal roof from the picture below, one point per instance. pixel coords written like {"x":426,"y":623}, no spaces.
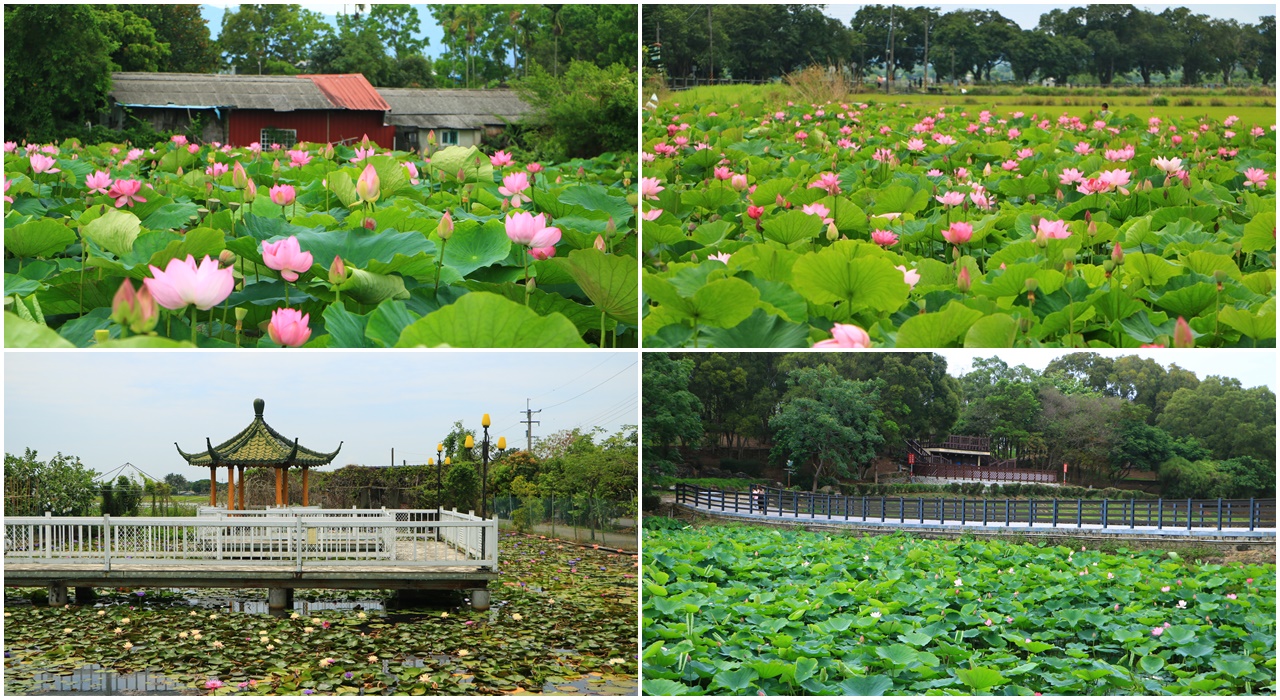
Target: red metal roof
{"x":349,"y":91}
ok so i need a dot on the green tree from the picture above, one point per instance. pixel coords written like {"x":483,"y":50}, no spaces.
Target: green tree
{"x":185,"y":31}
{"x":462,"y":486}
{"x":355,"y":48}
{"x":1228,"y":419}
{"x":828,"y":423}
{"x":51,"y":86}
{"x":1138,"y":446}
{"x":587,"y":112}
{"x":121,"y":497}
{"x":1000,"y":401}
{"x":61,"y":486}
{"x":135,"y":46}
{"x":177,"y":481}
{"x":266,"y":39}
{"x":1194,"y":34}
{"x":1155,"y":45}
{"x":1226,"y":46}
{"x":513,"y":465}
{"x":1250,"y":478}
{"x":671,"y":414}
{"x":1260,"y":53}
{"x":396,"y":26}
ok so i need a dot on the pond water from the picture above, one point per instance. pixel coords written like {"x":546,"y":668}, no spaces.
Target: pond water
{"x":562,"y":621}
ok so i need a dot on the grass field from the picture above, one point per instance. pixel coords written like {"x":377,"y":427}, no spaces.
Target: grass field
{"x":1250,"y":109}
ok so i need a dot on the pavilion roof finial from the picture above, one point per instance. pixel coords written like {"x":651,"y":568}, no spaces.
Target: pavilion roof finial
{"x":258,"y":405}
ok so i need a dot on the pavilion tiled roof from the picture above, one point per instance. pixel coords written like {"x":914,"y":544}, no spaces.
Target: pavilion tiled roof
{"x":258,"y":445}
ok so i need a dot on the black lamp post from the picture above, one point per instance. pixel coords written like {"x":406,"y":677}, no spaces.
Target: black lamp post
{"x":484,"y":462}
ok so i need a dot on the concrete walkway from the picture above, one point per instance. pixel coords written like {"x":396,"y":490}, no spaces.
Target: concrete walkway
{"x":1241,"y":534}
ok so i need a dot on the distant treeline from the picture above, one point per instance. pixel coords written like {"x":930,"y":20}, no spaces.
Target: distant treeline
{"x":1094,"y":43}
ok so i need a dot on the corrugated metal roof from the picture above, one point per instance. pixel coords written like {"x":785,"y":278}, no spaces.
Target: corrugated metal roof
{"x":282,"y":93}
{"x":349,"y":91}
{"x":452,"y":109}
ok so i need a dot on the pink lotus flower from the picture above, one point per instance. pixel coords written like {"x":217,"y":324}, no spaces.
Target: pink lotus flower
{"x":543,"y":253}
{"x":817,"y":210}
{"x":289,"y":327}
{"x":829,"y":182}
{"x":721,"y":257}
{"x":99,"y":182}
{"x":1231,"y":596}
{"x":1182,"y":335}
{"x":845,"y":335}
{"x":299,"y":158}
{"x":513,"y":185}
{"x":7,"y":184}
{"x":722,"y":173}
{"x":534,"y":168}
{"x":501,"y":159}
{"x":362,"y":153}
{"x":1009,"y":165}
{"x":182,"y":283}
{"x":915,"y":145}
{"x":1256,"y":177}
{"x":650,"y":187}
{"x":883,"y":238}
{"x":1083,"y":148}
{"x":1052,"y":229}
{"x":911,"y":277}
{"x":1157,"y":631}
{"x":532,"y":231}
{"x":951,"y":199}
{"x":1114,"y":178}
{"x":801,"y":136}
{"x":43,"y":164}
{"x":283,"y":195}
{"x":959,"y":233}
{"x":213,"y":683}
{"x":739,"y":182}
{"x":287,"y":257}
{"x":1070,"y":175}
{"x":368,"y":187}
{"x":651,"y":214}
{"x":1168,"y":166}
{"x":216,"y":170}
{"x":125,"y":192}
{"x":944,"y":139}
{"x":134,"y":310}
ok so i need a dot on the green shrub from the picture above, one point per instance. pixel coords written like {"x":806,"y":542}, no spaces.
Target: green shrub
{"x":1159,"y":101}
{"x":663,"y":523}
{"x":585,"y":112}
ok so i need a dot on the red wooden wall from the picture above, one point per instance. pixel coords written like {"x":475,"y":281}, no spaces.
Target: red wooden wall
{"x":320,"y":126}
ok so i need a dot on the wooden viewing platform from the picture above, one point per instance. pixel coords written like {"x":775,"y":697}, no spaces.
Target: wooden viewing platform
{"x":278,"y":549}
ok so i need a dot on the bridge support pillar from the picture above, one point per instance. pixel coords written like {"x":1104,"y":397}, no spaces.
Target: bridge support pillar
{"x":479,"y":598}
{"x":279,"y":599}
{"x":58,"y":594}
{"x":85,"y":595}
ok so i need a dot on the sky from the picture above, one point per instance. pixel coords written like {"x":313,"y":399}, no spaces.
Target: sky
{"x":1028,"y":15}
{"x":113,"y":407}
{"x":1251,"y":367}
{"x":434,"y":34}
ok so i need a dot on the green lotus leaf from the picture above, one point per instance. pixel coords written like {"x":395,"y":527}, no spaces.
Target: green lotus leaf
{"x":937,"y":329}
{"x":609,"y":281}
{"x":484,"y":320}
{"x":474,"y":245}
{"x":791,"y":227}
{"x":38,"y":238}
{"x":760,"y":330}
{"x":114,"y":231}
{"x":998,"y":331}
{"x":833,"y":276}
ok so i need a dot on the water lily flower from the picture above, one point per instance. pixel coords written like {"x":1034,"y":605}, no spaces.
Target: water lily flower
{"x":308,"y":630}
{"x":501,"y":159}
{"x":532,"y":231}
{"x":289,"y":327}
{"x":43,"y":164}
{"x":217,"y":645}
{"x":513,"y":185}
{"x":287,"y":257}
{"x":125,"y":192}
{"x":182,"y":283}
{"x":283,"y":195}
{"x":959,"y":233}
{"x":373,"y":659}
{"x":876,"y":615}
{"x":845,"y":335}
{"x":517,"y":617}
{"x":101,"y":613}
{"x":97,"y":183}
{"x":127,"y":646}
{"x":348,"y":675}
{"x":884,"y":238}
{"x":463,"y":652}
{"x":1256,"y":177}
{"x":326,"y":662}
{"x":308,"y":691}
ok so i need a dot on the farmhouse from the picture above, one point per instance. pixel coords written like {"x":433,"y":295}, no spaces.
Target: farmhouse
{"x":458,"y":117}
{"x":242,"y":109}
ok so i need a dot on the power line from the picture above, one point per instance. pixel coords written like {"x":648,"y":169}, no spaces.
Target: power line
{"x":633,"y":364}
{"x":580,"y":376}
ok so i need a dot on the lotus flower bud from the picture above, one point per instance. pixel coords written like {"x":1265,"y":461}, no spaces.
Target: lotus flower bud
{"x":582,"y":171}
{"x":1182,"y":335}
{"x":832,"y":232}
{"x":1059,"y":195}
{"x":964,"y":281}
{"x":327,"y":151}
{"x":250,"y":191}
{"x":1117,"y":255}
{"x":226,"y":258}
{"x":275,"y":166}
{"x":462,"y":174}
{"x":1088,"y":216}
{"x":531,"y":283}
{"x":444,"y":229}
{"x":337,"y":271}
{"x":986,"y":170}
{"x":369,"y":223}
{"x":368,"y":186}
{"x":134,"y":310}
{"x":1108,"y":266}
{"x":610,"y":228}
{"x":599,"y":243}
{"x":431,"y":137}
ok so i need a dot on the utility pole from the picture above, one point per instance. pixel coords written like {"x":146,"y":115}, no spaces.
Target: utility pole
{"x":711,"y":46}
{"x":529,"y":422}
{"x":888,"y":67}
{"x":925,"y":82}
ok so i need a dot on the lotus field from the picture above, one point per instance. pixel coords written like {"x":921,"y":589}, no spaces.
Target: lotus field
{"x":754,"y":611}
{"x":883,"y":225}
{"x":315,"y":246}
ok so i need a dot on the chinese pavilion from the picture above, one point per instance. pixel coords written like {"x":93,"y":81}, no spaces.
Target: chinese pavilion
{"x":258,"y":445}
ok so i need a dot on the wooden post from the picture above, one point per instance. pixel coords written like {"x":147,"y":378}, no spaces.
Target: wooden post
{"x":231,"y":487}
{"x":213,"y":486}
{"x":240,"y":485}
{"x":277,"y":486}
{"x":305,"y":483}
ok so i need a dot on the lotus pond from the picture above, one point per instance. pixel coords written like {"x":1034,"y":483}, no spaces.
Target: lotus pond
{"x":317,"y":246}
{"x":895,"y":225}
{"x":563,"y":621}
{"x":744,"y":610}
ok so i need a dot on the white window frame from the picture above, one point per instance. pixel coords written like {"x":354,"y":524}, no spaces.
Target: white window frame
{"x":265,"y":141}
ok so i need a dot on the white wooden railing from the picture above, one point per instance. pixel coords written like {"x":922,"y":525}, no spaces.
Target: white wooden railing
{"x":398,"y":538}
